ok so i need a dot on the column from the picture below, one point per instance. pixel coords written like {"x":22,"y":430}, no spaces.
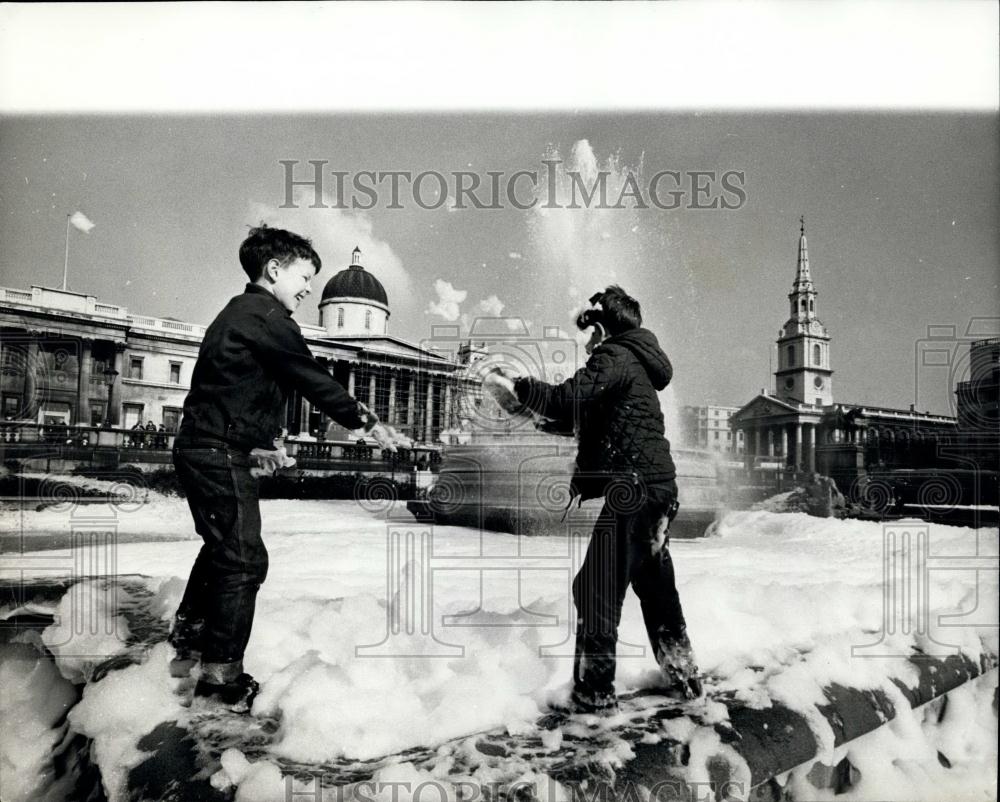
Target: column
{"x":303,"y":415}
{"x":770,"y":442}
{"x":812,"y":448}
{"x":350,"y":379}
{"x":798,"y":446}
{"x":447,"y":406}
{"x":391,"y":419}
{"x":115,"y":402}
{"x":371,"y":391}
{"x":747,"y":448}
{"x":83,"y":384}
{"x":410,"y":401}
{"x":29,"y":405}
{"x":784,"y":444}
{"x":429,"y":411}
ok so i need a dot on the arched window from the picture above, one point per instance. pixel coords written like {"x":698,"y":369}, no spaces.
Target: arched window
{"x":817,"y":355}
{"x":368,"y":319}
{"x":791,"y":355}
{"x":812,"y":306}
{"x":340,"y":317}
{"x":802,"y":305}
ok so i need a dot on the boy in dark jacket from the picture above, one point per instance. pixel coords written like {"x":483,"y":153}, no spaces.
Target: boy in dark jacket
{"x":612,"y":405}
{"x":252,"y":355}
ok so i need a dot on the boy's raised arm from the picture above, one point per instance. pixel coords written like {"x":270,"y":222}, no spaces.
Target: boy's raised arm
{"x":561,"y":401}
{"x":283,"y":350}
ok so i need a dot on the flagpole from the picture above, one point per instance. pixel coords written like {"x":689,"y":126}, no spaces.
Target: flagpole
{"x":66,"y":261}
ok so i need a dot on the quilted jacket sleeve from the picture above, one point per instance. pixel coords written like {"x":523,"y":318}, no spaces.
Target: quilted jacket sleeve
{"x":561,"y":402}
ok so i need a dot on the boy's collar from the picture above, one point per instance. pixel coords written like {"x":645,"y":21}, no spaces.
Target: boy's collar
{"x":256,"y":289}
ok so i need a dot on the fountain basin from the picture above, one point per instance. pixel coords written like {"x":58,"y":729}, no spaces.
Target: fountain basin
{"x":522,"y":486}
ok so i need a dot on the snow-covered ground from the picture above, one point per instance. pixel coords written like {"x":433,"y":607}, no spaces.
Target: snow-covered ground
{"x":778,"y":606}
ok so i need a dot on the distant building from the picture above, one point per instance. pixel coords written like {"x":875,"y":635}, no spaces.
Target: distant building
{"x":707,"y":427}
{"x":799,"y":424}
{"x":68,"y":358}
{"x":977,"y":402}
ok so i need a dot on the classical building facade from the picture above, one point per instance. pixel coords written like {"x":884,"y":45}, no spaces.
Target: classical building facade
{"x":707,"y":427}
{"x":799,"y":426}
{"x":70,"y":359}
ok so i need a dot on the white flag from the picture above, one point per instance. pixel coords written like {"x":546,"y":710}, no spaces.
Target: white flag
{"x":81,"y":222}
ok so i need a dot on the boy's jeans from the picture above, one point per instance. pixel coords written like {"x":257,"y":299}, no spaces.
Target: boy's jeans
{"x":216,"y":614}
{"x":623,"y":551}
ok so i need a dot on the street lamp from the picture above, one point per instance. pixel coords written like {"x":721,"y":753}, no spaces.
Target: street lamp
{"x":110,"y":374}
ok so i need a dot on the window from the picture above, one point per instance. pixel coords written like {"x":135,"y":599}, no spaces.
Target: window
{"x":175,"y":372}
{"x":817,"y":355}
{"x":811,"y":305}
{"x":96,"y":413}
{"x":716,"y":436}
{"x":171,"y":418}
{"x":368,"y":319}
{"x":132,"y":414}
{"x":11,"y":403}
{"x":340,"y":317}
{"x":135,"y":367}
{"x":791,"y":355}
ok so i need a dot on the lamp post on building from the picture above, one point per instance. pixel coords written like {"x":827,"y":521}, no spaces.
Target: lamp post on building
{"x":110,"y":374}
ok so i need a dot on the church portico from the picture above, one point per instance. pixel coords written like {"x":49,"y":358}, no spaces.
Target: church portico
{"x":779,"y":435}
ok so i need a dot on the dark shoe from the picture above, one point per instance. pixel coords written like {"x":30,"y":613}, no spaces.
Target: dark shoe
{"x":580,"y":703}
{"x":599,"y":704}
{"x":680,"y":671}
{"x":237,"y":695}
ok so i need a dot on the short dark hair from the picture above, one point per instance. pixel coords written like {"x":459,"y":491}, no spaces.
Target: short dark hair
{"x":618,"y":312}
{"x":265,"y":243}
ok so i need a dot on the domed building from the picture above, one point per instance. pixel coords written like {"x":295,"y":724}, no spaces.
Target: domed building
{"x":120,"y":369}
{"x":354,"y":302}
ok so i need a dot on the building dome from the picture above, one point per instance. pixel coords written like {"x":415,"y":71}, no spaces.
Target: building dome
{"x":354,"y":303}
{"x":356,"y":283}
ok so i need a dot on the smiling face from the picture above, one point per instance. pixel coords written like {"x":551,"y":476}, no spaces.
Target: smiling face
{"x":289,"y":283}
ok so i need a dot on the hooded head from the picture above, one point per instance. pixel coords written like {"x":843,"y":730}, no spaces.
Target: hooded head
{"x":611,"y":313}
{"x":646,"y":349}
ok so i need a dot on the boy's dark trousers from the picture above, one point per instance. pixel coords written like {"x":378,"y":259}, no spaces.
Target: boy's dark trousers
{"x":622,"y":552}
{"x":216,"y":614}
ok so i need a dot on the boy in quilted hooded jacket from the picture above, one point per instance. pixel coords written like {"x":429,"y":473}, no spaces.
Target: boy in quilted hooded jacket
{"x":611,"y":404}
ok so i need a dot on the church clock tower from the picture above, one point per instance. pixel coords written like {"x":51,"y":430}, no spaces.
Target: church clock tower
{"x":803,"y":375}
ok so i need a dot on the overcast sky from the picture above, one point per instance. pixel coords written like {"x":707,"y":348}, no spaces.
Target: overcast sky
{"x":900,"y":211}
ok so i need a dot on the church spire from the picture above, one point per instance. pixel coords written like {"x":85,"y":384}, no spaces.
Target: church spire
{"x":803,"y":281}
{"x":803,"y":374}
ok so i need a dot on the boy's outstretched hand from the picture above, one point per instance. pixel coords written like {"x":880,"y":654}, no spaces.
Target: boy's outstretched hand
{"x":499,"y":383}
{"x":386,"y":437}
{"x":265,"y":461}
